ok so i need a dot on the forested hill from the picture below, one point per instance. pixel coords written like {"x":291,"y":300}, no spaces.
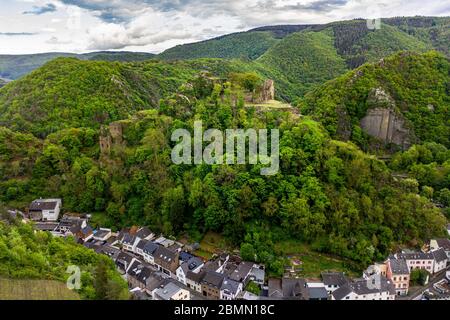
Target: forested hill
{"x":415,"y":88}
{"x":328,"y":194}
{"x":15,"y":66}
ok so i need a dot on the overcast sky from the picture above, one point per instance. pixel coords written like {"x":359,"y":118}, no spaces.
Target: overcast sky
{"x":33,"y":26}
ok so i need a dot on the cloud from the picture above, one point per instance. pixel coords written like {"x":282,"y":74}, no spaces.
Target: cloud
{"x":49,"y":7}
{"x":17,"y":34}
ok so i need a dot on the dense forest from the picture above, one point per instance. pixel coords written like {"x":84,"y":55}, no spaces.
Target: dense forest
{"x":27,"y":254}
{"x":328,"y":193}
{"x":332,"y":192}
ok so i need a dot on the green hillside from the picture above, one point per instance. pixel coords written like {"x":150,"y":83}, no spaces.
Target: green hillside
{"x":245,"y":45}
{"x":418,"y":87}
{"x":28,"y":257}
{"x":15,"y":66}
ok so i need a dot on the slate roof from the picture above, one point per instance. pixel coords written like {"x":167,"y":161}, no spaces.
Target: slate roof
{"x":360,"y":287}
{"x":101,"y":233}
{"x":141,"y":244}
{"x":398,"y":266}
{"x":319,"y":293}
{"x":39,"y":205}
{"x":196,"y":277}
{"x":185,"y":256}
{"x":167,"y":291}
{"x":213,"y":279}
{"x":334,"y":278}
{"x":242,"y":271}
{"x":444,"y":243}
{"x":416,"y":256}
{"x":275,"y":290}
{"x":143,"y":232}
{"x":230,"y":285}
{"x":150,"y":248}
{"x":440,"y":255}
{"x":128,"y":238}
{"x":165,"y":254}
{"x":294,"y":288}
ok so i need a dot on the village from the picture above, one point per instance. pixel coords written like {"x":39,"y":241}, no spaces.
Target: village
{"x":160,"y":268}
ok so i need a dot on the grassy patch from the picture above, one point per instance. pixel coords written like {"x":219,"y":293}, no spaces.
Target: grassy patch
{"x":269,"y":105}
{"x":35,"y":290}
{"x":309,"y":263}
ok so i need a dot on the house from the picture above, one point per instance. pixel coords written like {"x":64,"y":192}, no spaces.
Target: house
{"x":154,"y":281}
{"x":171,"y":291}
{"x":166,"y":260}
{"x":45,"y":209}
{"x":194,"y":264}
{"x":440,"y":260}
{"x":149,"y":251}
{"x":418,"y":260}
{"x":242,"y":272}
{"x":317,"y":293}
{"x":211,"y":284}
{"x":110,"y":251}
{"x":230,"y":289}
{"x":399,"y":273}
{"x":103,"y":234}
{"x":288,"y":289}
{"x":124,"y":261}
{"x":137,"y":275}
{"x":441,"y":243}
{"x":67,"y":222}
{"x":45,"y":226}
{"x":376,"y":288}
{"x":257,"y":274}
{"x":80,"y":233}
{"x":140,"y":247}
{"x":164,"y":242}
{"x":129,"y":242}
{"x":194,"y":280}
{"x":145,"y":233}
{"x":333,"y":280}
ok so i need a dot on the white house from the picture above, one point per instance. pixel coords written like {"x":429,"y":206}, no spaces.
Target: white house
{"x":418,"y":260}
{"x":171,"y":292}
{"x":139,"y":250}
{"x":230,"y":289}
{"x":102,"y":234}
{"x":194,"y":265}
{"x":377,"y":287}
{"x":148,"y":252}
{"x":441,"y":243}
{"x":440,"y":260}
{"x":129,"y":242}
{"x":45,"y":209}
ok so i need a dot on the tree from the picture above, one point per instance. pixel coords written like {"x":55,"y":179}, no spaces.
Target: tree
{"x":101,"y":281}
{"x":248,"y":252}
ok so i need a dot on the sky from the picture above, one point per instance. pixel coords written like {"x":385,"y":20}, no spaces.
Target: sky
{"x":35,"y":26}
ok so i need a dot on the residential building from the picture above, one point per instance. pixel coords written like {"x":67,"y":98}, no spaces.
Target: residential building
{"x":167,"y":261}
{"x":441,"y":243}
{"x":211,"y":284}
{"x":194,"y":280}
{"x":399,"y":273}
{"x":418,"y":260}
{"x":377,"y":287}
{"x":194,"y":264}
{"x":137,"y":275}
{"x":103,"y":234}
{"x":124,"y":261}
{"x":230,"y":289}
{"x":129,"y":242}
{"x":257,"y":274}
{"x":69,"y":221}
{"x":139,"y":250}
{"x":45,"y":209}
{"x":144,"y":233}
{"x":288,"y":289}
{"x":333,"y":280}
{"x":171,"y":291}
{"x":149,"y":252}
{"x":440,"y":260}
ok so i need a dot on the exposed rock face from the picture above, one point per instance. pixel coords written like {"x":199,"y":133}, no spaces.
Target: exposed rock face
{"x":262,"y":94}
{"x":110,"y":135}
{"x":382,"y":122}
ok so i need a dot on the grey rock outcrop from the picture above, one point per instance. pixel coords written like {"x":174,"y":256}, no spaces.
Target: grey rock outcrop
{"x":383,"y":122}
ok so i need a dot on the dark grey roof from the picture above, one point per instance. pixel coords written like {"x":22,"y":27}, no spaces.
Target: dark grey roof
{"x":294,"y":288}
{"x":128,"y":238}
{"x":196,"y":277}
{"x":143,"y":232}
{"x":242,"y":271}
{"x":398,"y":266}
{"x":45,"y":226}
{"x":444,"y":243}
{"x":139,"y":271}
{"x":361,"y":287}
{"x":165,"y":254}
{"x":334,"y":278}
{"x":141,"y":244}
{"x":39,"y":205}
{"x":317,"y":293}
{"x":275,"y":290}
{"x":123,"y":256}
{"x":185,"y":256}
{"x":101,"y":233}
{"x":150,"y":248}
{"x":440,"y":255}
{"x":416,"y":256}
{"x":213,"y":279}
{"x":230,"y":285}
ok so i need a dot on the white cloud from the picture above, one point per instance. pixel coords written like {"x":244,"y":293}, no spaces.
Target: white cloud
{"x":154,"y":25}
